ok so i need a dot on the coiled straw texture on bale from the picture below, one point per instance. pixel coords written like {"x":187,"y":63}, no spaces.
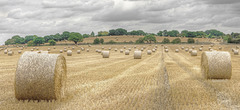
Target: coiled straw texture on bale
{"x":105,"y":54}
{"x":194,"y":53}
{"x":69,"y":53}
{"x":137,"y":54}
{"x":40,"y":76}
{"x":149,"y":52}
{"x":216,"y":65}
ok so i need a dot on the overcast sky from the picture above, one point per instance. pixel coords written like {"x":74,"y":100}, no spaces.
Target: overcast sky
{"x":42,"y":17}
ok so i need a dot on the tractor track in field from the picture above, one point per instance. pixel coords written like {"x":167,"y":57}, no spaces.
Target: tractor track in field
{"x":222,"y":98}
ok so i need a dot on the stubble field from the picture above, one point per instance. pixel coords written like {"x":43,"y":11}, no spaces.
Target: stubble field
{"x":157,"y":82}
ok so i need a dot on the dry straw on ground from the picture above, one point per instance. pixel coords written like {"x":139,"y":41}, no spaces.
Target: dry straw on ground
{"x":69,"y":53}
{"x":40,"y":76}
{"x":105,"y":54}
{"x":137,"y":54}
{"x":216,"y":65}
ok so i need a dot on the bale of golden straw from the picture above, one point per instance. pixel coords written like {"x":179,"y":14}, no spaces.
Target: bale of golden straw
{"x":121,"y":50}
{"x":49,"y":49}
{"x":166,"y":50}
{"x":129,"y":49}
{"x":137,"y":54}
{"x":190,"y":50}
{"x":216,"y":65}
{"x":40,"y":77}
{"x":99,"y":51}
{"x":115,"y":49}
{"x":105,"y":54}
{"x":153,"y":50}
{"x":142,"y":49}
{"x":5,"y":51}
{"x":194,"y":53}
{"x":109,"y":48}
{"x":127,"y":52}
{"x":220,"y":48}
{"x":69,"y":53}
{"x":149,"y":52}
{"x":236,"y":52}
{"x":182,"y":48}
{"x":186,"y":50}
{"x":65,"y":50}
{"x":87,"y":50}
{"x":200,"y":49}
{"x":61,"y":51}
{"x":78,"y":51}
{"x":10,"y":53}
{"x":19,"y":51}
{"x":177,"y":50}
{"x":73,"y":48}
{"x":193,"y":47}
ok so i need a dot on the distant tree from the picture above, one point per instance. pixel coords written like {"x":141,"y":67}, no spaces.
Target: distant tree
{"x":214,"y":32}
{"x":191,"y":34}
{"x":176,"y":41}
{"x":29,"y":38}
{"x":52,"y":42}
{"x":140,"y":41}
{"x":9,"y":42}
{"x":96,"y":41}
{"x":165,"y":41}
{"x":160,"y":33}
{"x":86,"y":35}
{"x":184,"y":33}
{"x":191,"y":40}
{"x":92,"y":34}
{"x":119,"y":31}
{"x":150,"y":38}
{"x":173,"y":33}
{"x":65,"y":35}
{"x":38,"y":41}
{"x":101,"y":40}
{"x":165,"y":33}
{"x":75,"y":37}
{"x":48,"y":37}
{"x":57,"y":37}
{"x":30,"y":43}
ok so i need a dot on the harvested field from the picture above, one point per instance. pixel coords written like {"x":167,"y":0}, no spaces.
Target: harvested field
{"x":160,"y":81}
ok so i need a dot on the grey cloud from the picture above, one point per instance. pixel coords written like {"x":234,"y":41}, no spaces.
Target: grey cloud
{"x":222,"y":1}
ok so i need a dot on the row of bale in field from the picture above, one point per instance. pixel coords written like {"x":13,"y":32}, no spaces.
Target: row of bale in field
{"x":32,"y":82}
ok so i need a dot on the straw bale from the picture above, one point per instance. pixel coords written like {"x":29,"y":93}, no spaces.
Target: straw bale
{"x":236,"y":52}
{"x":216,"y":65}
{"x":61,"y":51}
{"x":40,"y":77}
{"x":127,"y":52}
{"x":105,"y":54}
{"x":69,"y":53}
{"x":121,"y":50}
{"x":137,"y":54}
{"x":78,"y":51}
{"x":177,"y":50}
{"x":153,"y":50}
{"x":194,"y":53}
{"x":166,"y":50}
{"x":149,"y":52}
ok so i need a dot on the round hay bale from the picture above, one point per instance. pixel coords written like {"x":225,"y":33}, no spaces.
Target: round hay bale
{"x":129,"y":49}
{"x":5,"y":51}
{"x":40,"y":76}
{"x":115,"y":49}
{"x":65,"y":50}
{"x":186,"y":50}
{"x":194,"y":53}
{"x":216,"y":65}
{"x":135,"y":47}
{"x":73,"y":48}
{"x":209,"y":48}
{"x":165,"y":47}
{"x":121,"y":50}
{"x":142,"y":49}
{"x":78,"y":51}
{"x":102,"y":48}
{"x":177,"y":50}
{"x":65,"y":47}
{"x":137,"y":54}
{"x":233,"y":49}
{"x":10,"y":53}
{"x":69,"y":53}
{"x":105,"y":54}
{"x":99,"y":51}
{"x":193,"y":47}
{"x":124,"y":47}
{"x":236,"y":52}
{"x":201,"y":45}
{"x":109,"y":48}
{"x":82,"y":48}
{"x":127,"y":52}
{"x":166,"y":50}
{"x":21,"y":48}
{"x":37,"y":48}
{"x":96,"y":50}
{"x":237,"y":47}
{"x":190,"y":51}
{"x":87,"y":50}
{"x":19,"y":51}
{"x":156,"y":46}
{"x":49,"y":49}
{"x":220,"y":48}
{"x":149,"y":52}
{"x":182,"y":48}
{"x":54,"y":47}
{"x":200,"y":49}
{"x":61,"y":51}
{"x":34,"y":48}
{"x":31,"y":49}
{"x":153,"y":50}
{"x":211,"y":45}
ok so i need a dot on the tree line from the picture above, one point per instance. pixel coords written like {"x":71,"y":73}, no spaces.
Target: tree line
{"x":77,"y":37}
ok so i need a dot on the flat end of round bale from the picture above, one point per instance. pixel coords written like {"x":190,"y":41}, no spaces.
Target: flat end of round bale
{"x":137,"y":54}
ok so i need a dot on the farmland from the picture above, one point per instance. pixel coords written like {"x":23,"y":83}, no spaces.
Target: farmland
{"x":157,"y":81}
